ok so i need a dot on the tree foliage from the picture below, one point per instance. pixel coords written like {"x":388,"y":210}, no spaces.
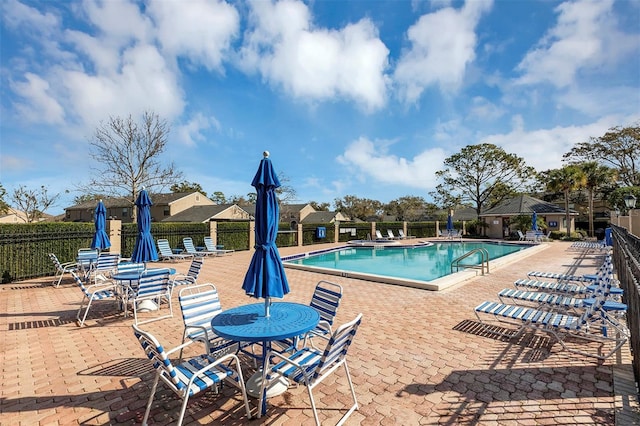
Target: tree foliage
{"x":618,"y":148}
{"x":566,"y":180}
{"x":356,"y":207}
{"x":33,"y":202}
{"x":597,"y":176}
{"x":482,"y":176}
{"x":127,"y":157}
{"x":4,"y":206}
{"x":87,"y":197}
{"x":185,"y":186}
{"x":410,"y":208}
{"x":218,"y":197}
{"x":320,"y":207}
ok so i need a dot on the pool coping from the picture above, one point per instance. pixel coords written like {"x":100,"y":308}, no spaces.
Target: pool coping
{"x":444,"y":283}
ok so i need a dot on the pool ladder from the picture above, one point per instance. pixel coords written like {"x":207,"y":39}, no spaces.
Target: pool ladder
{"x":484,"y":263}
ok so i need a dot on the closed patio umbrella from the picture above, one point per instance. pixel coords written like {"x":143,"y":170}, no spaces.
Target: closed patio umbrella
{"x":144,"y":249}
{"x":534,"y":218}
{"x":265,"y":277}
{"x":100,"y":239}
{"x":449,"y":222}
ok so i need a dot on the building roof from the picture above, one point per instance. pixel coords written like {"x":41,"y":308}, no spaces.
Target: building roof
{"x":200,"y":214}
{"x":323,"y":217}
{"x":524,"y":205}
{"x":117,"y":202}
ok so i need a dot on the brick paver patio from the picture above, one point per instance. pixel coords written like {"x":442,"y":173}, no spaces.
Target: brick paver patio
{"x":418,"y":358}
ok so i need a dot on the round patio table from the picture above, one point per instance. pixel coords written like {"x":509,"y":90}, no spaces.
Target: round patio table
{"x":248,"y":323}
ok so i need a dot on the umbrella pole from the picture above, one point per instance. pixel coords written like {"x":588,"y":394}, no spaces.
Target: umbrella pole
{"x":267,"y":307}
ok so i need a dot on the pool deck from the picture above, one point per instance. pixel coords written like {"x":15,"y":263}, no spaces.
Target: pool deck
{"x":418,"y":358}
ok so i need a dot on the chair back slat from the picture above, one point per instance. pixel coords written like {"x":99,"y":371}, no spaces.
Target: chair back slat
{"x":194,"y":269}
{"x":107,"y":262}
{"x":326,"y":300}
{"x":165,"y":249}
{"x":208,"y":243}
{"x":199,"y":304}
{"x":155,"y":352}
{"x":133,"y":267}
{"x":338,"y":345}
{"x":154,"y":285}
{"x":187,"y":242}
{"x":80,"y":283}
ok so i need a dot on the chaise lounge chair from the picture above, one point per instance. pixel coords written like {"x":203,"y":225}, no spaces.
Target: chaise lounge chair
{"x":558,"y":325}
{"x":166,"y":253}
{"x":189,"y":247}
{"x":211,"y":248}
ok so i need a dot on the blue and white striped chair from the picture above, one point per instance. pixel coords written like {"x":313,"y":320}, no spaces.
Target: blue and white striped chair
{"x":106,"y":264}
{"x":191,"y":277}
{"x":326,"y":300}
{"x":154,"y":288}
{"x":190,"y":248}
{"x":199,"y":304}
{"x":310,"y":366}
{"x":61,"y":268}
{"x":91,"y":294}
{"x":191,"y":376}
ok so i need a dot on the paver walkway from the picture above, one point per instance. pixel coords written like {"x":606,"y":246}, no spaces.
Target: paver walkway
{"x":418,"y":358}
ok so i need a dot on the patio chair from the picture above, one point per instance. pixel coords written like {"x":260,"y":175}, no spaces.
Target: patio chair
{"x":558,"y":324}
{"x":560,"y":276}
{"x":153,"y":288}
{"x":191,"y":276}
{"x":402,"y":236}
{"x":326,"y":300}
{"x":92,"y":293}
{"x":61,"y":269}
{"x":187,"y":242}
{"x":199,"y":304}
{"x":208,"y":243}
{"x":521,"y":236}
{"x":379,"y":235}
{"x":310,"y":366}
{"x":192,"y":376}
{"x":166,"y":252}
{"x":104,"y":266}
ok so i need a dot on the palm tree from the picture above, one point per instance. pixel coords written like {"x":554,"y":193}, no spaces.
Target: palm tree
{"x":567,"y":179}
{"x":596,"y":176}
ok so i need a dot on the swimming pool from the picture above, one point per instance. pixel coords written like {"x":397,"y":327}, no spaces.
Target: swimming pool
{"x":416,"y":265}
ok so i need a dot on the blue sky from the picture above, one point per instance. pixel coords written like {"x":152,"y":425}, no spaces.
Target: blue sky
{"x":360,"y":98}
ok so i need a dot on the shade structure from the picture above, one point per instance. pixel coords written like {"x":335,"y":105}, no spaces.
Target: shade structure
{"x":144,"y":249}
{"x":534,"y":219}
{"x":449,"y":222}
{"x":100,"y":239}
{"x":265,"y":277}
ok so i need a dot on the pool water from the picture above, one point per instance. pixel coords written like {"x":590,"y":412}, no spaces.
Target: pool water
{"x":421,"y":263}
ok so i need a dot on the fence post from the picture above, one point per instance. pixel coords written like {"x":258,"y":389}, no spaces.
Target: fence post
{"x":373,"y":230}
{"x":252,"y":235}
{"x":114,"y":229}
{"x":213,"y":232}
{"x":300,"y":236}
{"x":336,"y":232}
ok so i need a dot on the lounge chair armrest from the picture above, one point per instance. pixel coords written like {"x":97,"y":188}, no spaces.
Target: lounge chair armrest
{"x":179,"y":347}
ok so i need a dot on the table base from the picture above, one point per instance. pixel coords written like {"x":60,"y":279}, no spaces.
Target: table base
{"x":276,"y":387}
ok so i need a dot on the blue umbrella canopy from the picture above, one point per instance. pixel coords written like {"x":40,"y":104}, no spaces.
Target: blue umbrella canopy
{"x":145,"y":248}
{"x":534,"y":219}
{"x":449,"y":222}
{"x":265,"y":277}
{"x":100,"y":238}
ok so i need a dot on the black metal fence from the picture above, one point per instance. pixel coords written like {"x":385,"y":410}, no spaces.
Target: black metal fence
{"x":626,"y":258}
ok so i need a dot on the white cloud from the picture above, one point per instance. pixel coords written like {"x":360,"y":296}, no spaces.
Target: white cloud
{"x":442,"y":46}
{"x":39,"y":104}
{"x":202,"y":31}
{"x":543,"y":148}
{"x":315,"y":64}
{"x":483,"y":109}
{"x":191,"y":132}
{"x":374,"y":161}
{"x":585,"y":36}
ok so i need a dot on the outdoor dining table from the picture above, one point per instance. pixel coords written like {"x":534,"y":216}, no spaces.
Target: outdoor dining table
{"x":248,"y":323}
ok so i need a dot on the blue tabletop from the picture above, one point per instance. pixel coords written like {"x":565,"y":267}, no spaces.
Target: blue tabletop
{"x":132,"y":276}
{"x":248,"y":323}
